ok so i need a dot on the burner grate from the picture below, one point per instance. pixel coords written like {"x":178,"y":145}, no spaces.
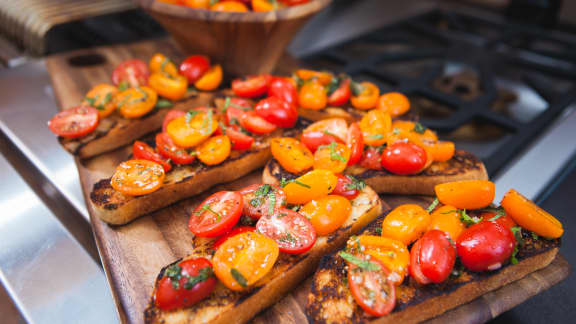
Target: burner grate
{"x":490,"y":86}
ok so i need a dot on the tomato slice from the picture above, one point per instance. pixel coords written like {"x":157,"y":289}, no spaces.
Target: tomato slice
{"x":437,"y":256}
{"x":169,"y":150}
{"x":341,"y":95}
{"x":262,"y":200}
{"x":240,"y":141}
{"x":293,"y":232}
{"x":235,"y":231}
{"x":214,"y":150}
{"x":327,"y":214}
{"x":252,"y":86}
{"x":371,"y":159}
{"x":371,"y":289}
{"x":355,"y":143}
{"x":404,"y":158}
{"x":131,"y":73}
{"x":74,"y":122}
{"x":277,"y":111}
{"x":348,"y":187}
{"x":291,"y":154}
{"x":217,"y":214}
{"x":138,"y":177}
{"x":174,"y":291}
{"x":143,"y":151}
{"x":170,"y":116}
{"x":333,"y":157}
{"x":193,"y":67}
{"x":256,"y":124}
{"x":415,"y":266}
{"x":234,"y":115}
{"x":284,"y":89}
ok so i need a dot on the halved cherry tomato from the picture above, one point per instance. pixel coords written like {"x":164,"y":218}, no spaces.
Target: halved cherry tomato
{"x":74,"y":122}
{"x":130,"y":73}
{"x":244,"y":259}
{"x":252,"y":86}
{"x":392,"y":253}
{"x":256,"y":124}
{"x":375,"y":126}
{"x":193,"y":67}
{"x":313,"y":140}
{"x":262,"y":200}
{"x":137,"y":177}
{"x":415,"y":266}
{"x":312,"y":185}
{"x":404,"y":158}
{"x":437,"y":256}
{"x":466,"y":194}
{"x":333,"y":157}
{"x":169,"y":150}
{"x":485,"y":246}
{"x":240,"y":141}
{"x":293,"y":232}
{"x":233,"y":232}
{"x":413,"y":132}
{"x":284,"y":89}
{"x":143,"y":151}
{"x":217,"y":214}
{"x":238,"y":103}
{"x":443,"y":151}
{"x":371,"y":159}
{"x":325,"y":132}
{"x":341,"y":95}
{"x":214,"y":150}
{"x":323,"y":77}
{"x":170,"y":116}
{"x":447,"y":220}
{"x":136,"y":102}
{"x":347,"y":187}
{"x":210,"y":80}
{"x":173,"y":292}
{"x":355,"y":142}
{"x":234,"y":115}
{"x":196,"y":4}
{"x":101,"y":97}
{"x":277,"y":111}
{"x":328,"y":213}
{"x":371,"y":289}
{"x":291,"y":154}
{"x":312,"y":95}
{"x":531,"y":217}
{"x":406,"y":223}
{"x":394,"y":103}
{"x":159,"y":63}
{"x":264,"y":5}
{"x":366,"y":97}
{"x":504,"y":220}
{"x":191,"y":130}
{"x":171,"y":87}
{"x":230,"y":6}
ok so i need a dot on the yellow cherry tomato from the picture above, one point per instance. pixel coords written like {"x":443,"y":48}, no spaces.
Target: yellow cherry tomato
{"x":102,"y":97}
{"x":394,"y":103}
{"x":138,"y":177}
{"x":333,"y":157}
{"x":136,"y":102}
{"x":197,"y":4}
{"x":264,"y":5}
{"x":531,"y":217}
{"x":312,"y":185}
{"x":406,"y":223}
{"x":171,"y":87}
{"x":210,"y":80}
{"x":375,"y":126}
{"x":392,"y":253}
{"x":447,"y":219}
{"x":328,"y":213}
{"x":368,"y":95}
{"x":323,"y":77}
{"x":192,"y":129}
{"x":231,"y":6}
{"x":413,"y":132}
{"x":443,"y":151}
{"x":214,"y":150}
{"x":159,"y":63}
{"x":312,"y":95}
{"x":466,"y":194}
{"x":292,"y":155}
{"x":244,"y":259}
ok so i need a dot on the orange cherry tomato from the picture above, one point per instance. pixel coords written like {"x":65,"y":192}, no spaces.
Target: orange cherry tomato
{"x":443,"y":151}
{"x":324,"y":132}
{"x":136,"y":102}
{"x":192,"y":129}
{"x":323,"y":77}
{"x":394,"y":103}
{"x":171,"y":87}
{"x":312,"y":95}
{"x":292,"y":155}
{"x":138,"y":177}
{"x":447,"y":219}
{"x":197,"y":4}
{"x":159,"y":63}
{"x":531,"y":217}
{"x":244,"y":259}
{"x":101,"y":97}
{"x":375,"y":126}
{"x":413,"y":132}
{"x":263,"y":5}
{"x":366,"y":96}
{"x":214,"y":150}
{"x":504,"y":220}
{"x":328,"y":213}
{"x":333,"y":157}
{"x":210,"y":80}
{"x":230,"y":6}
{"x":406,"y":223}
{"x":312,"y":185}
{"x":466,"y":194}
{"x":392,"y":253}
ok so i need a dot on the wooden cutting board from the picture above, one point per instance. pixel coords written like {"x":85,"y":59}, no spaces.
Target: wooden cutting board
{"x":133,"y":254}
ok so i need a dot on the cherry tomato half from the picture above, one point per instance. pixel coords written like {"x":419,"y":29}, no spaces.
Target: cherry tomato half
{"x":341,"y":95}
{"x":375,"y":126}
{"x":325,"y":132}
{"x":355,"y":143}
{"x":366,"y":97}
{"x":437,"y":256}
{"x":190,"y":131}
{"x":262,"y":200}
{"x":314,"y":184}
{"x":394,"y":103}
{"x":404,"y":158}
{"x":293,"y":232}
{"x":240,"y":141}
{"x":74,"y":122}
{"x":327,"y":214}
{"x":466,"y":194}
{"x":371,"y":289}
{"x":371,"y":159}
{"x":252,"y":86}
{"x":284,"y":89}
{"x":101,"y":97}
{"x":169,"y":150}
{"x":235,"y":231}
{"x":256,"y":124}
{"x":211,"y":79}
{"x":193,"y":67}
{"x":131,"y":73}
{"x":143,"y":151}
{"x":333,"y":157}
{"x":214,"y":150}
{"x":346,"y":187}
{"x":406,"y":223}
{"x":485,"y":246}
{"x":137,"y":177}
{"x":168,"y":86}
{"x":217,"y":214}
{"x":277,"y":111}
{"x":312,"y":95}
{"x":170,"y":116}
{"x":136,"y":102}
{"x":415,"y":266}
{"x":291,"y":154}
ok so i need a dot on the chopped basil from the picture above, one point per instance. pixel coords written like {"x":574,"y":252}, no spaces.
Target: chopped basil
{"x":334,"y":156}
{"x":163,"y":103}
{"x":282,"y":215}
{"x":207,"y":123}
{"x":329,"y":133}
{"x":419,"y":128}
{"x":376,"y":137}
{"x":174,"y":272}
{"x":288,"y":237}
{"x":255,"y":202}
{"x":466,"y":219}
{"x":356,"y":184}
{"x":433,"y":205}
{"x":190,"y":115}
{"x":535,"y":236}
{"x":498,"y":211}
{"x":356,"y":88}
{"x":284,"y":183}
{"x":334,"y":85}
{"x":363,"y":264}
{"x":239,"y":278}
{"x":299,"y":81}
{"x":513,"y":258}
{"x":207,"y":207}
{"x":91,"y":101}
{"x":203,"y":275}
{"x":296,"y":208}
{"x":396,"y":131}
{"x":123,"y":85}
{"x":272,"y":203}
{"x":262,"y":190}
{"x":378,"y":230}
{"x":517,"y":231}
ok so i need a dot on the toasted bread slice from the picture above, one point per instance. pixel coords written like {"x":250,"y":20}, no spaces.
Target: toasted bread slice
{"x":330,"y":300}
{"x":227,"y":307}
{"x":115,"y":131}
{"x":463,"y":166}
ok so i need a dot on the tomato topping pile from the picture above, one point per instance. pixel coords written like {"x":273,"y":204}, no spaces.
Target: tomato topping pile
{"x":237,"y":5}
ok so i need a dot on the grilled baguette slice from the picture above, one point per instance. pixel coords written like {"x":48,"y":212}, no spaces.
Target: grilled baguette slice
{"x":227,"y":307}
{"x":330,"y":300}
{"x":463,"y":166}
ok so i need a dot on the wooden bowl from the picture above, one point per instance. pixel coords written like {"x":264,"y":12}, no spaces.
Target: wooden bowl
{"x":243,"y":42}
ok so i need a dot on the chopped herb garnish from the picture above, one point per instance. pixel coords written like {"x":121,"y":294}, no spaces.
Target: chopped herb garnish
{"x":419,"y":128}
{"x":356,"y":88}
{"x":288,"y":238}
{"x":123,"y":86}
{"x":466,"y":219}
{"x":239,"y":278}
{"x":334,"y":85}
{"x":272,"y":202}
{"x":284,"y":183}
{"x":207,"y":207}
{"x":356,"y":184}
{"x":517,"y":231}
{"x":262,"y":190}
{"x":91,"y":101}
{"x":396,"y":131}
{"x":433,"y":205}
{"x":123,"y":102}
{"x":190,"y":115}
{"x":299,"y":81}
{"x":334,"y":156}
{"x":203,"y":275}
{"x":513,"y":258}
{"x":282,"y":215}
{"x":255,"y":202}
{"x":376,"y":137}
{"x":535,"y":236}
{"x":329,"y":133}
{"x":174,"y":272}
{"x":163,"y":103}
{"x":296,"y":208}
{"x":363,"y":264}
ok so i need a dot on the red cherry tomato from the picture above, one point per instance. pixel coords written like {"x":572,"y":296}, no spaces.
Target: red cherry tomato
{"x":240,"y":141}
{"x":132,"y":73}
{"x":193,"y":67}
{"x":437,"y":256}
{"x":169,"y":150}
{"x":74,"y":122}
{"x":217,"y":214}
{"x":415,"y":265}
{"x":324,"y":132}
{"x":170,"y":116}
{"x":371,"y":289}
{"x":233,"y":232}
{"x":234,"y":116}
{"x":277,"y":111}
{"x":314,"y":139}
{"x":172,"y":293}
{"x":341,"y":95}
{"x":345,"y":187}
{"x":284,"y":89}
{"x":256,"y":124}
{"x":252,"y":86}
{"x":262,"y":200}
{"x":485,"y":246}
{"x":293,"y":232}
{"x":404,"y":158}
{"x":355,"y":142}
{"x":371,"y":159}
{"x":143,"y":151}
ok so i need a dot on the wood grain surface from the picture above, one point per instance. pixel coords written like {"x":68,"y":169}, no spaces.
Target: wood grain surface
{"x":133,"y":254}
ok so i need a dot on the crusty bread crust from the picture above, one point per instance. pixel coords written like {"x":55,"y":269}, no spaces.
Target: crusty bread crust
{"x":227,"y":307}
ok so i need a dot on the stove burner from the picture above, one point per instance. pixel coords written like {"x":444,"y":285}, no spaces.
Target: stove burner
{"x":490,"y":86}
